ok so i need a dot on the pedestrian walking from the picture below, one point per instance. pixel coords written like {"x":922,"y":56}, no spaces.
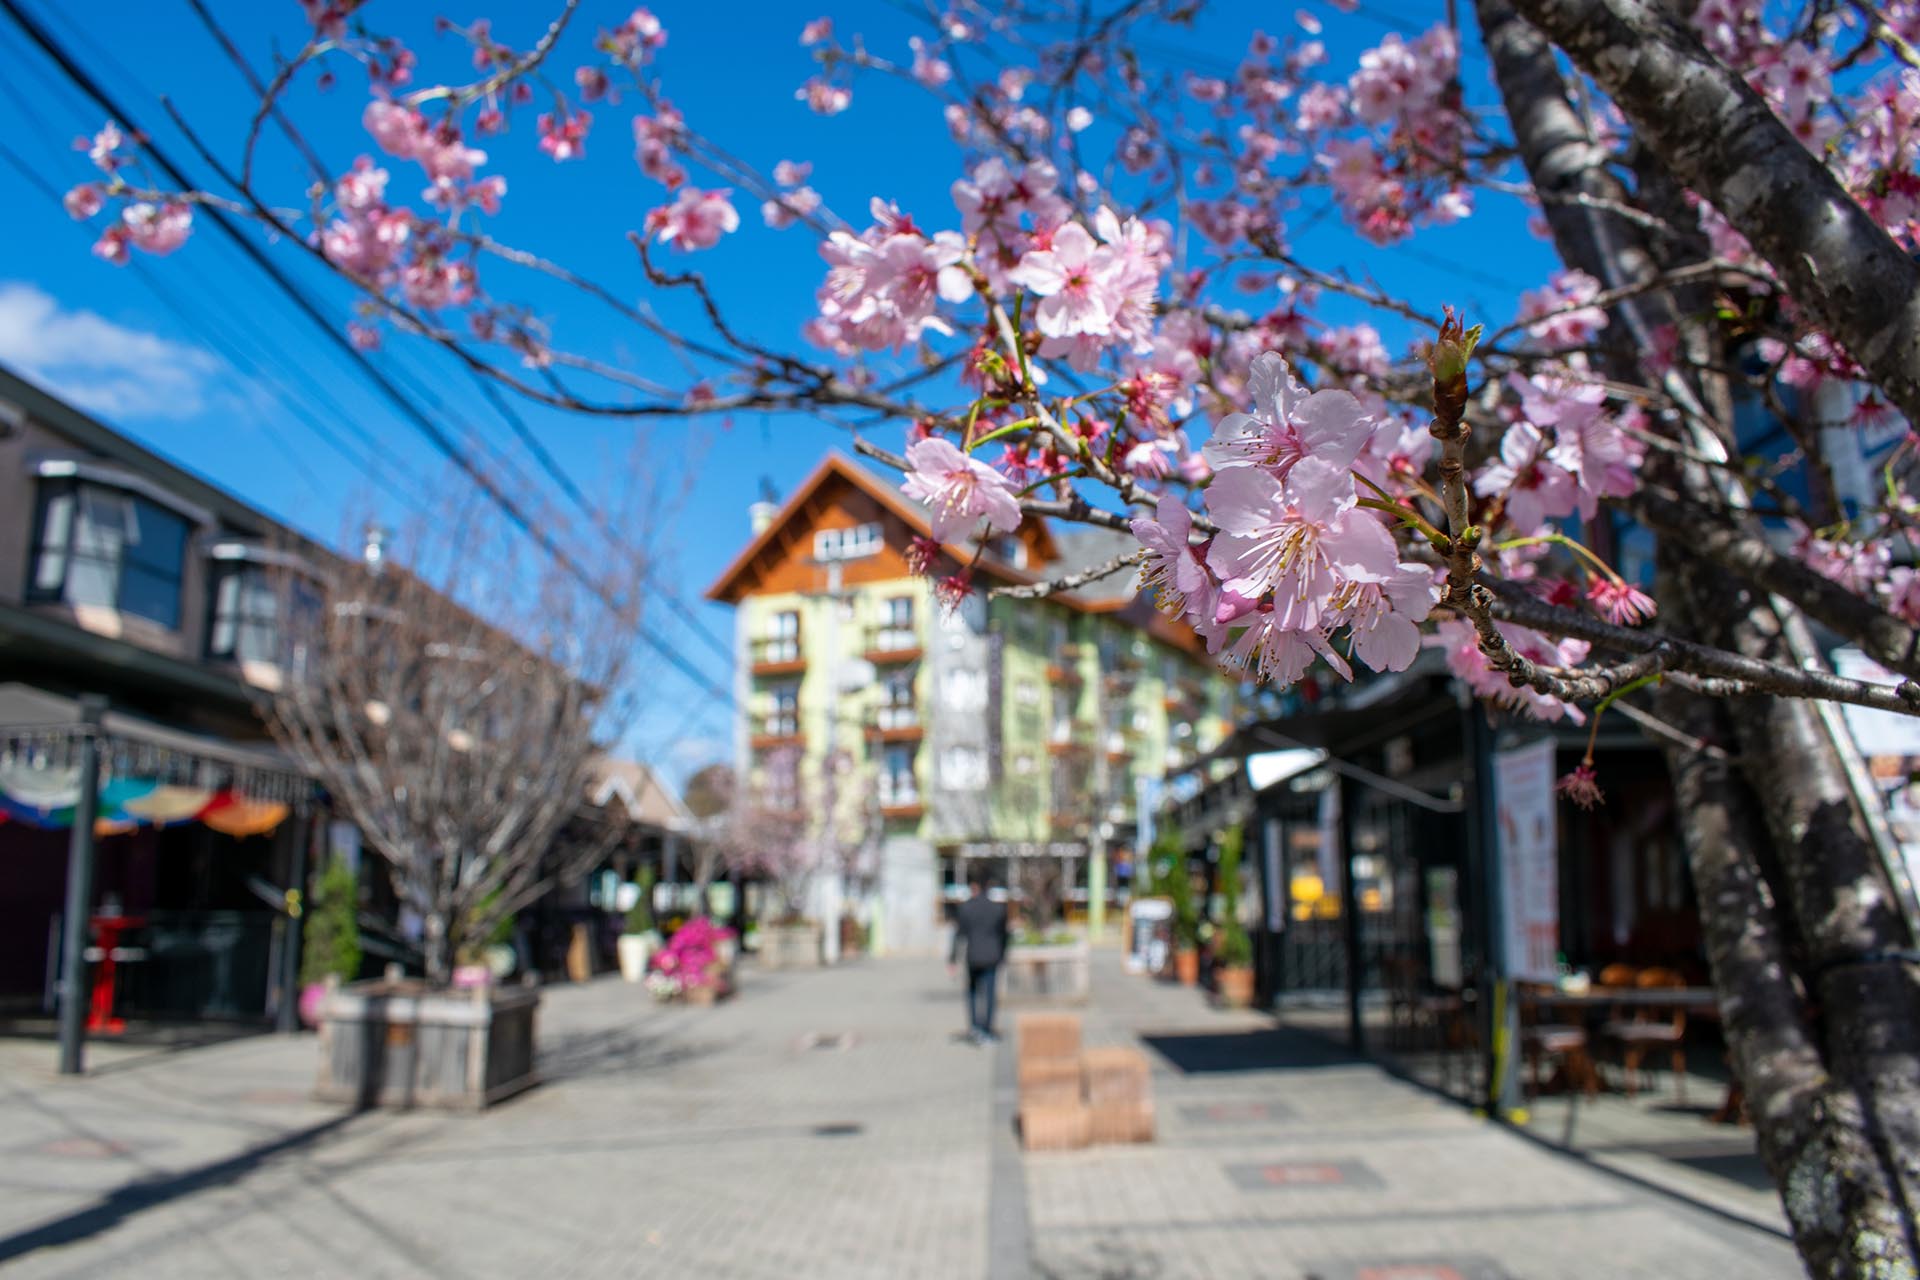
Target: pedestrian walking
{"x":979,"y":928}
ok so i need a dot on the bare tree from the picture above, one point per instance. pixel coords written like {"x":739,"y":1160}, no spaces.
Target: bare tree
{"x":454,"y":708}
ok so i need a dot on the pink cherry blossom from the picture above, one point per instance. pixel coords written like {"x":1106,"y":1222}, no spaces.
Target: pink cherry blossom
{"x":104,"y":147}
{"x":695,"y":220}
{"x":1288,"y":426}
{"x":961,"y":490}
{"x":1382,"y":617}
{"x":1557,"y":316}
{"x":823,"y":97}
{"x":564,"y":136}
{"x":1301,"y":540}
{"x":634,"y":42}
{"x":157,"y":229}
{"x":1277,"y":654}
{"x":1535,"y":488}
{"x":654,"y":138}
{"x":930,"y":70}
{"x":1067,"y":277}
{"x":398,"y":130}
{"x":362,"y":188}
{"x":1581,"y":787}
{"x":1620,"y":603}
{"x":83,"y":201}
{"x":112,"y":246}
{"x":1173,"y":570}
{"x":818,"y":31}
{"x":789,"y":207}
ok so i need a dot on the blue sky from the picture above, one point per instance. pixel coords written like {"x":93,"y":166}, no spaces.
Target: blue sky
{"x":200,"y":358}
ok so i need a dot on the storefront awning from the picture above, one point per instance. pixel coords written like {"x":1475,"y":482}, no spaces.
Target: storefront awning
{"x":41,"y":732}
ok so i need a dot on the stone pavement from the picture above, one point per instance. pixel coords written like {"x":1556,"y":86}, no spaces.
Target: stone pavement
{"x":822,"y":1124}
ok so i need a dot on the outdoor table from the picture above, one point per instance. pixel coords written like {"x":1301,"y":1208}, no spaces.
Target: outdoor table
{"x":107,"y":932}
{"x":1699,"y":1001}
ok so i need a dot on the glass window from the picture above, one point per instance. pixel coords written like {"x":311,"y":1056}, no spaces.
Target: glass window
{"x":248,"y":623}
{"x":897,"y":784}
{"x":784,"y":718}
{"x":96,"y":545}
{"x":896,"y":623}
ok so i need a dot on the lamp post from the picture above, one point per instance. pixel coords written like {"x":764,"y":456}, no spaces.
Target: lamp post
{"x":79,"y":908}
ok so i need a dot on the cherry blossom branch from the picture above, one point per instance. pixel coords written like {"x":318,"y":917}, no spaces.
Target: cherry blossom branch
{"x":1885,"y":638}
{"x":460,"y":96}
{"x":1686,"y":659}
{"x":260,"y":91}
{"x":1071,"y":581}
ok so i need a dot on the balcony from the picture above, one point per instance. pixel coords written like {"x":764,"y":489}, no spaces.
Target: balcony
{"x":900,"y":796}
{"x":777,"y":656}
{"x":1063,"y":672}
{"x":892,"y":644}
{"x":895,"y":722}
{"x":1067,"y":738}
{"x":1117,"y":746}
{"x":781,"y":729}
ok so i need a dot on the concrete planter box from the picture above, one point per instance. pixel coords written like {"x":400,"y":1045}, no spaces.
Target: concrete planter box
{"x":790,"y":946}
{"x":398,"y":1044}
{"x":1057,"y":973}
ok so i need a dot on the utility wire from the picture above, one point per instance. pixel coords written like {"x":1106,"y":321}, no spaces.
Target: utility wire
{"x":223,"y":342}
{"x":408,"y":410}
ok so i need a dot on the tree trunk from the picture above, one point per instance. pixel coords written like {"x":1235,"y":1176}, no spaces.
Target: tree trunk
{"x":436,"y":946}
{"x":1779,"y":883}
{"x":1816,"y":1132}
{"x":1719,"y":137}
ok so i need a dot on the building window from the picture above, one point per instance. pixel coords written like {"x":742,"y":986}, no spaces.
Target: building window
{"x":857,"y":543}
{"x":260,"y":614}
{"x":897,"y":785}
{"x":783,"y":716}
{"x":96,"y":545}
{"x":781,"y":643}
{"x":963,"y":769}
{"x":1062,"y":714}
{"x":897,"y":709}
{"x":896,"y":623}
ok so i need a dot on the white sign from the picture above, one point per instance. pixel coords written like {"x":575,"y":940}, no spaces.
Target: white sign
{"x":1879,"y":733}
{"x":1149,"y":922}
{"x":1529,"y":855}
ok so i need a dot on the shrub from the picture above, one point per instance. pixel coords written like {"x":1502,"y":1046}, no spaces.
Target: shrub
{"x":332,"y":933}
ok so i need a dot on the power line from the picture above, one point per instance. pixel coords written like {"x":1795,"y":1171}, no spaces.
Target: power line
{"x":228,"y":348}
{"x":409,"y":411}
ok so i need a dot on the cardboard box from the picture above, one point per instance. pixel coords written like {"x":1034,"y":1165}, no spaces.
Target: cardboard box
{"x":1047,"y":1035}
{"x":1054,"y":1127}
{"x":1118,"y":1074}
{"x":1111,"y":1122}
{"x":1053,"y":1081}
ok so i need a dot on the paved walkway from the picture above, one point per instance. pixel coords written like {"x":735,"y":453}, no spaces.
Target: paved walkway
{"x":822,"y":1124}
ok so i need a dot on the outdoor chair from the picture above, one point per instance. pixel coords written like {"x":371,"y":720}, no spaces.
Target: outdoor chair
{"x":1651,"y":1027}
{"x":1564,"y":1041}
{"x":1617,"y":975}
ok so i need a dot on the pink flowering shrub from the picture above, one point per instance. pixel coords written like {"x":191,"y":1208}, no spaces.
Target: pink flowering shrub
{"x":691,"y":958}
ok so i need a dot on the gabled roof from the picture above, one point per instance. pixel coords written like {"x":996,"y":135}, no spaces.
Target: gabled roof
{"x":837,"y":467}
{"x":1117,"y":595}
{"x":645,"y":794}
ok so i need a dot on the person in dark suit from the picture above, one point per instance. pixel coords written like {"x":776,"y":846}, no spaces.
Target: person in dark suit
{"x":979,"y":928}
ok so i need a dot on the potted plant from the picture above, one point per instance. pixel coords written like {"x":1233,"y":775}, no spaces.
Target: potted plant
{"x":1174,"y":882}
{"x":1047,"y":960}
{"x":1233,"y":949}
{"x":640,"y":939}
{"x":690,"y":967}
{"x":332,"y":937}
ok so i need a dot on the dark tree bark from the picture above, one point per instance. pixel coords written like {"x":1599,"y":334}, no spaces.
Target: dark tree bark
{"x":1719,"y":137}
{"x":1792,"y":893}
